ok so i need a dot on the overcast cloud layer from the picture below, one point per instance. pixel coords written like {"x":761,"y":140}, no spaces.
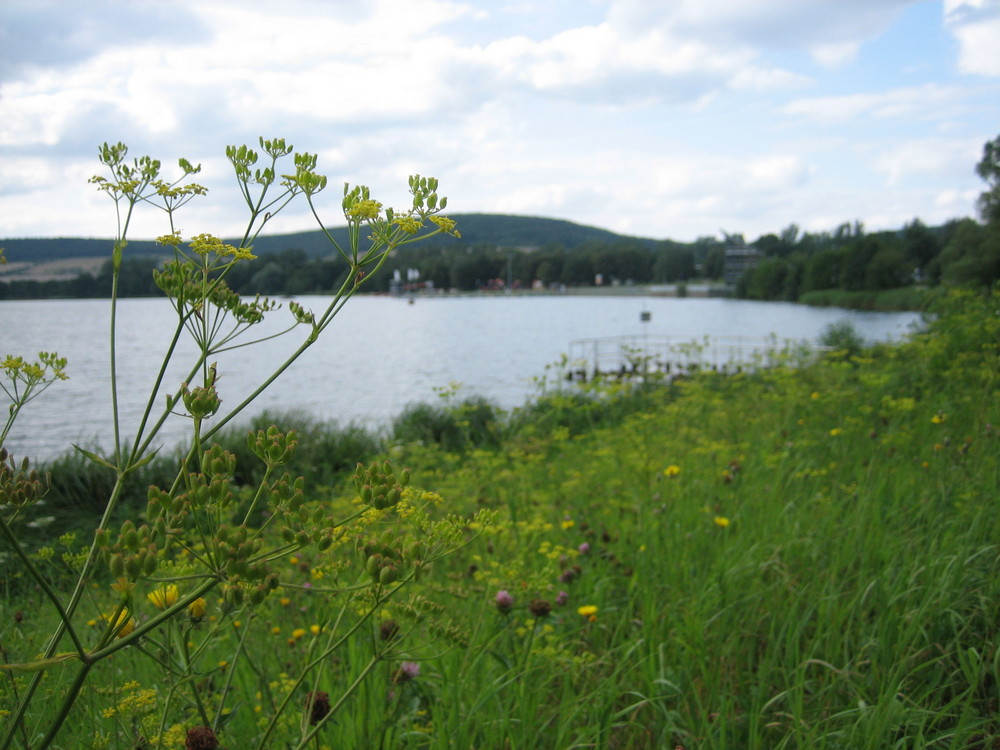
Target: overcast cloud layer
{"x":672,"y":119}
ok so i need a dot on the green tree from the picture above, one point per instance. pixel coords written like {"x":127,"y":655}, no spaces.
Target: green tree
{"x":988,"y":168}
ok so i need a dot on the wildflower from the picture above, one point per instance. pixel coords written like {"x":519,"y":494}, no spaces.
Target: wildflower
{"x":504,"y":601}
{"x":569,"y":523}
{"x":317,"y":706}
{"x":388,"y":629}
{"x":589,"y":611}
{"x":123,"y":624}
{"x":314,"y":629}
{"x":284,"y":601}
{"x":298,"y":633}
{"x":584,"y":548}
{"x":275,"y":630}
{"x":173,"y":240}
{"x":570,"y":574}
{"x":539,"y":608}
{"x":364,"y":209}
{"x":721,"y":521}
{"x":938,"y":418}
{"x":834,"y":432}
{"x":408,"y":670}
{"x":445,"y":224}
{"x":672,"y":471}
{"x":196,"y":609}
{"x":408,"y":224}
{"x":561,"y":598}
{"x":163,"y":597}
{"x":201,"y":738}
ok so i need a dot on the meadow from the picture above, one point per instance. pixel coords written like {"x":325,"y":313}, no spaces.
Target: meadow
{"x":805,"y":556}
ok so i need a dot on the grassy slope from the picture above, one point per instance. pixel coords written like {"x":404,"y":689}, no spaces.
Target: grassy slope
{"x":805,"y":558}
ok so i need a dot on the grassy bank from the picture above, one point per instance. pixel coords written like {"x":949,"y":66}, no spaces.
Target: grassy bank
{"x":888,"y":300}
{"x":806,"y":557}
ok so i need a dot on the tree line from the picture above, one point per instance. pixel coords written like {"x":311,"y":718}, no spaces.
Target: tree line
{"x":788,"y":265}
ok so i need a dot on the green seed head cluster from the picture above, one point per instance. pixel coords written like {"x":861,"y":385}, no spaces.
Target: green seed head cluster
{"x":272,"y":446}
{"x":379,"y":486}
{"x":20,"y":487}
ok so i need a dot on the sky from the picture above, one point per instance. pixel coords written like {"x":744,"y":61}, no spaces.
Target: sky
{"x":670,"y":119}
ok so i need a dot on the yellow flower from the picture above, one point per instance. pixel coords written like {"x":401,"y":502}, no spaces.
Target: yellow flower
{"x":298,"y":633}
{"x":938,"y":418}
{"x":164,"y":596}
{"x":721,"y":521}
{"x":589,"y":611}
{"x":275,"y":630}
{"x":445,"y":224}
{"x":284,"y":601}
{"x":408,"y":224}
{"x":834,"y":432}
{"x":123,"y":624}
{"x":314,"y":629}
{"x":196,"y":609}
{"x":672,"y":471}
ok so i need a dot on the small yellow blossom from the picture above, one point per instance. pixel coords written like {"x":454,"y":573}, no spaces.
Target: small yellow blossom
{"x":298,"y":633}
{"x":275,"y":630}
{"x":409,"y":224}
{"x":569,"y":523}
{"x":196,"y":609}
{"x":445,"y":224}
{"x":123,"y":624}
{"x":672,"y":471}
{"x":284,"y":601}
{"x":721,"y":521}
{"x":314,"y":629}
{"x":588,"y":611}
{"x":364,"y":209}
{"x":834,"y":432}
{"x":938,"y":418}
{"x":164,"y":596}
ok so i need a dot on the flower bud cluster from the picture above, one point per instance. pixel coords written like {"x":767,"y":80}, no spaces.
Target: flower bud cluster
{"x":135,"y":552}
{"x":20,"y":487}
{"x":385,"y":558}
{"x":272,"y":446}
{"x":200,"y":402}
{"x":379,"y":486}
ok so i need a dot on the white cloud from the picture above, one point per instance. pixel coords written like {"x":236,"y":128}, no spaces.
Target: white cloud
{"x":928,"y":100}
{"x":975,"y":24}
{"x":934,"y":157}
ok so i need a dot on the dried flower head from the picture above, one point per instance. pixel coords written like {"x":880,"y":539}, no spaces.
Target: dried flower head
{"x":317,"y":706}
{"x":201,"y":738}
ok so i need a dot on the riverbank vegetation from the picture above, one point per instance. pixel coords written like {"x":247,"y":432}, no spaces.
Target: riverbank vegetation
{"x":801,"y":557}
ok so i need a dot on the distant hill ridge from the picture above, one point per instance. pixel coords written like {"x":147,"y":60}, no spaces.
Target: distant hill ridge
{"x":499,"y":230}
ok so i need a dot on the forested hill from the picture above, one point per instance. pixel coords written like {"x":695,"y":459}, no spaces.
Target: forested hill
{"x":494,"y":229}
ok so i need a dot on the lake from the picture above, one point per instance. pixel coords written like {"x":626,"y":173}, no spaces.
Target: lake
{"x":378,"y":356}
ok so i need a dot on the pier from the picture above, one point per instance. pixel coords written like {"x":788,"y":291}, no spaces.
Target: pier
{"x":667,"y":357}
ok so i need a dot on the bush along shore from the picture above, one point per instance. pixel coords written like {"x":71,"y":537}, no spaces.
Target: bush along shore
{"x":802,"y":557}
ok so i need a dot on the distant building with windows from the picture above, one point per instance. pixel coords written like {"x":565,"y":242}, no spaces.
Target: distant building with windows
{"x":739,"y":260}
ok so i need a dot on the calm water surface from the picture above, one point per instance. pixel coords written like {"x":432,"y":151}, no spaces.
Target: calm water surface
{"x":379,"y":355}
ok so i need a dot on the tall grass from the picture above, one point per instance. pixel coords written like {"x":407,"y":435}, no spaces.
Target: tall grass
{"x":795,"y":558}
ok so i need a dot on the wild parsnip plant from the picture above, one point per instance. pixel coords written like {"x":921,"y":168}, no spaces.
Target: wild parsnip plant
{"x":156,"y":643}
